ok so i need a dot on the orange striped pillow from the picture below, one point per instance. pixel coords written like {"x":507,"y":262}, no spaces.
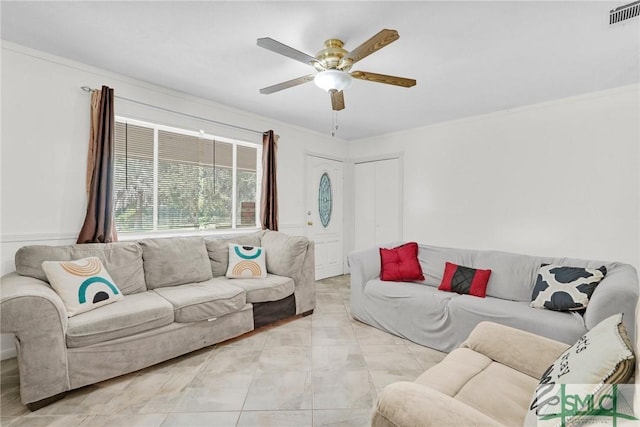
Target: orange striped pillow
{"x":246,"y":262}
{"x":82,"y":284}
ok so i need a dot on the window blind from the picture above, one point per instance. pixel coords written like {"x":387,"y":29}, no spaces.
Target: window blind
{"x":133,"y":170}
{"x":246,"y":186}
{"x":194,"y":180}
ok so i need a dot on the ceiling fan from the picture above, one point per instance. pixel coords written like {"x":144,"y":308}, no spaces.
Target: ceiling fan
{"x":333,"y":64}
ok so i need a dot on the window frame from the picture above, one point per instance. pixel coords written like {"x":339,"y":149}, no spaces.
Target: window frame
{"x":133,"y":235}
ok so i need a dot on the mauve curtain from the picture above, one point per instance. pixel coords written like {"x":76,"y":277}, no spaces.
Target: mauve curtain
{"x":269,"y":202}
{"x":99,"y":226}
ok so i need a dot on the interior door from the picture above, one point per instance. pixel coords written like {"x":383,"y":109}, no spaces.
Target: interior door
{"x":388,"y":201}
{"x":378,"y":202}
{"x":324,"y":214}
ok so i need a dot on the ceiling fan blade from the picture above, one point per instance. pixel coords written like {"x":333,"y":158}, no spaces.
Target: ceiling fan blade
{"x":287,"y":84}
{"x":382,"y":78}
{"x":283,"y":49}
{"x":337,"y":100}
{"x":375,"y":43}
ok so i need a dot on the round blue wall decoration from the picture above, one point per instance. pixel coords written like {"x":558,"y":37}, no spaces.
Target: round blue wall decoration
{"x":325,"y":200}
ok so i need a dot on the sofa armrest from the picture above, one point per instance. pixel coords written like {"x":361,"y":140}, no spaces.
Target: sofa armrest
{"x":364,"y":265}
{"x":31,"y":310}
{"x":617,"y":293}
{"x":19,"y":294}
{"x":294,"y":257}
{"x":412,"y":405}
{"x":365,"y":262}
{"x":523,"y":351}
{"x":306,"y":282}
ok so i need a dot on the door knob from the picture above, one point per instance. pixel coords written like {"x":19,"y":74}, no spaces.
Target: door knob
{"x":309,"y":222}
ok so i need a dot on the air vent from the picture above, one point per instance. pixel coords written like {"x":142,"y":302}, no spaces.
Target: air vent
{"x":624,"y":13}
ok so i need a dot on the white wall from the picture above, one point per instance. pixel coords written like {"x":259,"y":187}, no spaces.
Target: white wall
{"x":45,"y":128}
{"x":557,"y":179}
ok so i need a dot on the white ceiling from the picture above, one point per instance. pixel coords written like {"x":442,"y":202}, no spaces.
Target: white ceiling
{"x":469,"y":58}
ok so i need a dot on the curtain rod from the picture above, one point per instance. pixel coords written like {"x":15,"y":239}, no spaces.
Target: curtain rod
{"x":88,"y":89}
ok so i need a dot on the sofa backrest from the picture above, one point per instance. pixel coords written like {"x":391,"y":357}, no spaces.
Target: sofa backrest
{"x":123,"y":261}
{"x":285,"y":254}
{"x":218,"y":249}
{"x":136,"y":266}
{"x":513,"y":275}
{"x":173,"y":261}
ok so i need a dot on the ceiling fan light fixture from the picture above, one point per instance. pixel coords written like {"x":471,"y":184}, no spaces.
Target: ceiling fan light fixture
{"x":332,"y":80}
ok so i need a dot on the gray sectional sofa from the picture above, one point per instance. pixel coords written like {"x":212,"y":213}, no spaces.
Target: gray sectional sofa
{"x":442,"y":320}
{"x":176,"y":300}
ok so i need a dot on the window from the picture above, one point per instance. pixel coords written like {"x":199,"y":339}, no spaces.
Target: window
{"x":174,"y":179}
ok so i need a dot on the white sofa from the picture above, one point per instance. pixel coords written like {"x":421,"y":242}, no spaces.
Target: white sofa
{"x":493,"y":379}
{"x":442,"y":320}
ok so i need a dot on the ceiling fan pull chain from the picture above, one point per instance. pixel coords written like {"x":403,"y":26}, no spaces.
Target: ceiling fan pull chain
{"x":334,"y":124}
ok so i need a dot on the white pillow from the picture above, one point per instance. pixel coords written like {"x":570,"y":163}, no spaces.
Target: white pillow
{"x":83,"y":284}
{"x":246,"y":262}
{"x":600,"y":357}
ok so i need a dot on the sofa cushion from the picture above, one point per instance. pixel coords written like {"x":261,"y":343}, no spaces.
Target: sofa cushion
{"x":414,"y":311}
{"x":83,"y":284}
{"x":433,"y":258}
{"x":218,"y":250}
{"x":135,"y":313}
{"x":510,"y":393}
{"x":400,"y":263}
{"x":512,"y":275}
{"x":604,"y":355}
{"x":565,"y":288}
{"x":285,"y":254}
{"x":467,"y":311}
{"x":175,"y":261}
{"x":454,"y":371}
{"x":123,"y":261}
{"x":246,"y":262}
{"x":467,"y":375}
{"x":194,"y":302}
{"x":523,"y":351}
{"x":408,"y":404}
{"x":271,"y":288}
{"x":464,"y":280}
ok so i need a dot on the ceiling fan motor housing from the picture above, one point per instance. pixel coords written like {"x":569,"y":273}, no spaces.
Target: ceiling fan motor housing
{"x":330,"y":58}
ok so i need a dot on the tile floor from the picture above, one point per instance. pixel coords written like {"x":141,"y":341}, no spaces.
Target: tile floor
{"x":322,"y":370}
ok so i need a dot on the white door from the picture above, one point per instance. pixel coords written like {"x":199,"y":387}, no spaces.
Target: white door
{"x":365,"y":205}
{"x":378,"y":202}
{"x":323,"y":213}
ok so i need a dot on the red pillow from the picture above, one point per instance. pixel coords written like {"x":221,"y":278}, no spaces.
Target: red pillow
{"x":400,"y":264}
{"x":465,"y":280}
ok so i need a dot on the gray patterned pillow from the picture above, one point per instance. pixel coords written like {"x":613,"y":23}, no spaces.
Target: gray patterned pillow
{"x":563,"y":288}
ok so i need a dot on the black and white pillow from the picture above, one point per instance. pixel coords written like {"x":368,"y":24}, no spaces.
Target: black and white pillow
{"x":563,"y":288}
